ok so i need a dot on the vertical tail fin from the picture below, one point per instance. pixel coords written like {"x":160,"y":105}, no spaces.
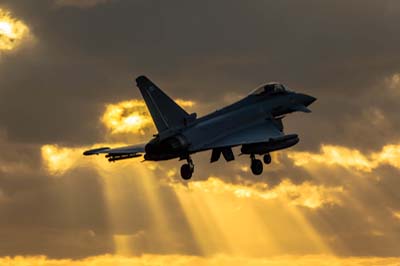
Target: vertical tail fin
{"x":165,"y":112}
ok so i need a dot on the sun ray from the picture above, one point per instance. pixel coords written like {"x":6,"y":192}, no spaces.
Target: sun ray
{"x":233,"y":221}
{"x":120,"y":184}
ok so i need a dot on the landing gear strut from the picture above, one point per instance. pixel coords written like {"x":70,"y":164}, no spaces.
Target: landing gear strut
{"x":187,"y":169}
{"x":256,"y":165}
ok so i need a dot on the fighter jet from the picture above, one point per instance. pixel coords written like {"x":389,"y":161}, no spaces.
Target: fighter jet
{"x":254,"y":123}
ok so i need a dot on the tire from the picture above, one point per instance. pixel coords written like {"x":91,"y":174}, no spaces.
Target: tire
{"x":267,"y":158}
{"x":186,"y":172}
{"x":256,"y":167}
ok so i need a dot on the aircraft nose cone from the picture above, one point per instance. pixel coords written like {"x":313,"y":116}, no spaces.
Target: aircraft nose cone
{"x":307,"y":99}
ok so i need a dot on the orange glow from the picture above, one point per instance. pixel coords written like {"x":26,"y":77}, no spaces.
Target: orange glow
{"x":58,"y":160}
{"x":12,"y":31}
{"x":117,"y":180}
{"x":6,"y":28}
{"x":231,"y":223}
{"x":185,"y":103}
{"x":182,"y":260}
{"x":117,"y":190}
{"x":132,"y":117}
{"x":390,"y":155}
{"x":127,"y":117}
{"x":248,"y":220}
{"x":396,"y":214}
{"x":305,"y":194}
{"x":208,"y":205}
{"x":348,"y":158}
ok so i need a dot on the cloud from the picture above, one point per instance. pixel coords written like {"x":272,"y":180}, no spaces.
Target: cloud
{"x":396,"y":214}
{"x":185,"y":103}
{"x":305,"y":194}
{"x":55,"y":92}
{"x":58,"y":160}
{"x":393,"y":83}
{"x":331,"y":155}
{"x":13,"y":32}
{"x":132,"y":117}
{"x":103,"y":57}
{"x":127,"y":117}
{"x":229,"y":191}
{"x":81,"y":3}
{"x":220,"y":260}
{"x":2,"y":196}
{"x":201,"y":216}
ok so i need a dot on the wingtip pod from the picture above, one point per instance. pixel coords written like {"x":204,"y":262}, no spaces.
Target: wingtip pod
{"x":95,"y":151}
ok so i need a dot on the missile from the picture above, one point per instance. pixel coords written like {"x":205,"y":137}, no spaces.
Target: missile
{"x":117,"y":157}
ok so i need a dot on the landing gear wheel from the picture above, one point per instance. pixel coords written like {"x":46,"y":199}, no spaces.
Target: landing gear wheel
{"x":267,"y":158}
{"x":186,"y":171}
{"x":256,"y":167}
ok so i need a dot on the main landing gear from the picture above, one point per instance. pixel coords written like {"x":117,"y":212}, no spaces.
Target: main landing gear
{"x":256,"y":164}
{"x":187,"y":169}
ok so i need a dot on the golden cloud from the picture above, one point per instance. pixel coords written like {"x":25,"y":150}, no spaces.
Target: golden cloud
{"x":305,"y":194}
{"x":127,"y":117}
{"x":12,"y":31}
{"x":351,"y":159}
{"x":185,"y":103}
{"x":396,"y":214}
{"x":182,"y":260}
{"x":224,"y":217}
{"x":390,"y":154}
{"x":132,"y":117}
{"x":58,"y":160}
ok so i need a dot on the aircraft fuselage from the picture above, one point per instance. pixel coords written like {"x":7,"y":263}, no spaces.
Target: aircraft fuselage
{"x":202,"y":132}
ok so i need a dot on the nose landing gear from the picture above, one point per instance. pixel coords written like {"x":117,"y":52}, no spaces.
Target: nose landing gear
{"x":187,"y":169}
{"x":267,"y":158}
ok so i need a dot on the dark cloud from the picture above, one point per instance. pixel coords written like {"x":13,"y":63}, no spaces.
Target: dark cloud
{"x":339,"y":52}
{"x":54,"y":91}
{"x":80,"y":3}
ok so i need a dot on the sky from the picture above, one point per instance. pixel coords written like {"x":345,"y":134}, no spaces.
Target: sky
{"x":67,"y":71}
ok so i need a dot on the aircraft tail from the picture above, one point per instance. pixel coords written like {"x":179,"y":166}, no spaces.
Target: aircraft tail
{"x":165,"y":112}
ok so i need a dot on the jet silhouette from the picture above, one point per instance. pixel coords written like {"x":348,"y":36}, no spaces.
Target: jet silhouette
{"x":254,"y":123}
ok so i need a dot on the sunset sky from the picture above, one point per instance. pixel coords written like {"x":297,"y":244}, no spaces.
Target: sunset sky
{"x":67,"y":71}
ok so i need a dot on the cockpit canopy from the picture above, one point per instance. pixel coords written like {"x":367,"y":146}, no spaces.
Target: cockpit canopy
{"x":270,"y":89}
